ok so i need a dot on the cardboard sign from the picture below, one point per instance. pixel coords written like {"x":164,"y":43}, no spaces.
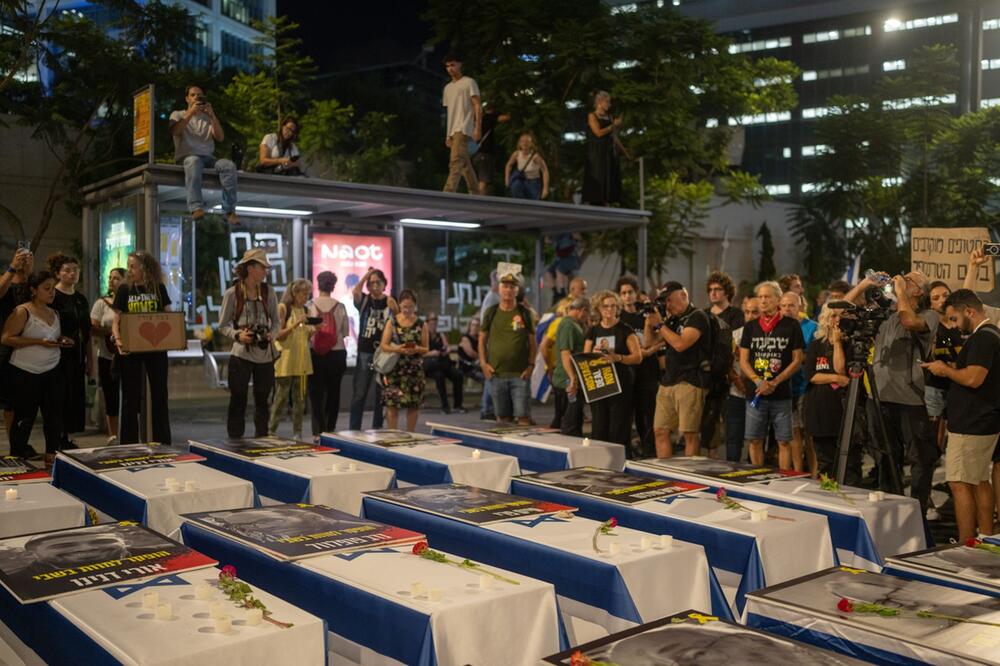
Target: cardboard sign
{"x":507,"y":268}
{"x":943,"y":254}
{"x":598,"y":376}
{"x":160,"y":331}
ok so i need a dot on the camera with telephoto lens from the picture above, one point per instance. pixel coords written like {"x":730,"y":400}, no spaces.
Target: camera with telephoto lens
{"x":659,"y":304}
{"x":261,"y":336}
{"x":860,"y":325}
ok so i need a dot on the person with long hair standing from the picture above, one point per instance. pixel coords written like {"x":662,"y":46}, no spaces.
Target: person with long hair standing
{"x":249,"y":315}
{"x":329,"y":355}
{"x":826,"y":373}
{"x":439,"y":367}
{"x":142,"y":292}
{"x":102,"y":318}
{"x":406,"y":335}
{"x":374,"y":309}
{"x":74,"y":321}
{"x":294,"y":366}
{"x":602,"y":178}
{"x":34,"y":333}
{"x":278,"y":153}
{"x":620,"y":345}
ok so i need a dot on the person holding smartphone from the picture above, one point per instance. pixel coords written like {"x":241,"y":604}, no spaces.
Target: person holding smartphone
{"x":34,"y":333}
{"x":406,"y":335}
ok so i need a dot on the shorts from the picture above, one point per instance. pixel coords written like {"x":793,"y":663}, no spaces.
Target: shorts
{"x":776,"y":412}
{"x":967,"y":458}
{"x":797,"y":405}
{"x":679,"y":408}
{"x":485,"y":165}
{"x":566,"y":265}
{"x":511,"y":397}
{"x":936,"y":400}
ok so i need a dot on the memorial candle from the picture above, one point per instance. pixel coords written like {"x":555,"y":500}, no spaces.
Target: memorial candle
{"x":10,"y":494}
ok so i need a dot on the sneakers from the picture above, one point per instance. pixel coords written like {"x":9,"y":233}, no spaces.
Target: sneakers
{"x":487,"y":417}
{"x":459,"y":410}
{"x":111,"y":441}
{"x":197,"y":214}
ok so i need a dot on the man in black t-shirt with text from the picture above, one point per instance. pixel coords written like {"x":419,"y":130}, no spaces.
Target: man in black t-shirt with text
{"x":771,"y":351}
{"x":680,"y":398}
{"x":973,"y":413}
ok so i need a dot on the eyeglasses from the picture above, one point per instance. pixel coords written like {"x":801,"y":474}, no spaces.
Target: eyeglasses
{"x":711,"y":289}
{"x":609,"y":306}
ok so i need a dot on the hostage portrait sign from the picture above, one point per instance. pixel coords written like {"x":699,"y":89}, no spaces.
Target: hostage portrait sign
{"x":598,"y":377}
{"x":943,"y":254}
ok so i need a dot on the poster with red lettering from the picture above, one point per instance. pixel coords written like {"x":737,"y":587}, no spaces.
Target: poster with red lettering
{"x":348,"y":256}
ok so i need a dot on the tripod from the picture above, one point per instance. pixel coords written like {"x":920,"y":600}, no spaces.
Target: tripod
{"x":857,"y":371}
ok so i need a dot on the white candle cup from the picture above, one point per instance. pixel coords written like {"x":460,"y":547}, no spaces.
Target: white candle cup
{"x":216,"y":610}
{"x":223,"y":624}
{"x":476,"y":454}
{"x":416,"y":589}
{"x":586,"y":441}
{"x":758,"y":515}
{"x":343,"y":467}
{"x":164,"y":611}
{"x":435,"y":594}
{"x":10,"y":494}
{"x":645,"y":543}
{"x":173,"y":485}
{"x":254,"y":616}
{"x":873,"y":496}
{"x":170,"y":480}
{"x":190,"y":486}
{"x":352,"y":467}
{"x":881,"y":495}
{"x":202,"y":591}
{"x":485,"y":581}
{"x":666,"y":541}
{"x":150,"y":599}
{"x":614,"y":548}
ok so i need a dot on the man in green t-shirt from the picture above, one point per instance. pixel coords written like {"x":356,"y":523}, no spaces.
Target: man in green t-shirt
{"x":565,"y":385}
{"x":507,"y":352}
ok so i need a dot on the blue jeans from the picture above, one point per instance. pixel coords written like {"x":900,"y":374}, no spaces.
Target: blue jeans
{"x":777,"y":412}
{"x":486,"y":405}
{"x":364,"y":377}
{"x":525,"y":188}
{"x":510,"y":397}
{"x":736,"y":419}
{"x":194,"y":166}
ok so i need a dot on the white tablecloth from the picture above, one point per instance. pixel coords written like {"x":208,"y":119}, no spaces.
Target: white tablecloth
{"x":39,"y":507}
{"x":340,"y":489}
{"x":788,"y":549}
{"x":661,"y":581}
{"x":132,"y":635}
{"x":215,"y":491}
{"x":492,"y":471}
{"x":508,"y":624}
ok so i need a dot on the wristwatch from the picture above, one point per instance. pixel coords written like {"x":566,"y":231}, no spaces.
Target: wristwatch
{"x":11,"y":269}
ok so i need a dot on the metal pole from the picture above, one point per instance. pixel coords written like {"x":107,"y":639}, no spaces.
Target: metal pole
{"x":642,"y":183}
{"x":399,"y":262}
{"x":298,"y":247}
{"x":538,"y":273}
{"x":642,"y":268}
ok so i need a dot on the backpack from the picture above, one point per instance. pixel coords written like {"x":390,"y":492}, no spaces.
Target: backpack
{"x":717,"y":355}
{"x":325,"y":337}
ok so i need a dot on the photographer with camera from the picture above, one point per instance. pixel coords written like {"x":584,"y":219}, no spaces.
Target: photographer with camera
{"x":195,"y":131}
{"x":973,"y":413}
{"x":771,"y":351}
{"x":901,"y":343}
{"x":647,"y":373}
{"x":680,"y":398}
{"x":249,"y":315}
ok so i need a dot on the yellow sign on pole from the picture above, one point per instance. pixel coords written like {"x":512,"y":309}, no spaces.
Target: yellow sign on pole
{"x":142,"y":121}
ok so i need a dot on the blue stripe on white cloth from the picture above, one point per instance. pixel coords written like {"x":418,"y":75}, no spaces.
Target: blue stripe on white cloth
{"x":530,"y":458}
{"x":969,"y":586}
{"x":410,"y":469}
{"x":267,"y":481}
{"x":583,"y":579}
{"x":726,"y":550}
{"x":49,"y":633}
{"x":364,"y":617}
{"x":90,"y":488}
{"x":836,"y":643}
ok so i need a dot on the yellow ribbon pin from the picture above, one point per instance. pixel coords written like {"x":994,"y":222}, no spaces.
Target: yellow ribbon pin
{"x":852,"y":571}
{"x":702,"y":619}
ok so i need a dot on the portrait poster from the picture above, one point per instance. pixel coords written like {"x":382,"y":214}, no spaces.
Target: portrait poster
{"x":19,"y":470}
{"x":475,"y":506}
{"x":122,"y":456}
{"x":296,"y":531}
{"x":263,"y":447}
{"x":394,"y":438}
{"x":699,"y":639}
{"x":973,"y":565}
{"x":717,"y":472}
{"x":598,"y":376}
{"x":619,"y":487}
{"x":47,"y":565}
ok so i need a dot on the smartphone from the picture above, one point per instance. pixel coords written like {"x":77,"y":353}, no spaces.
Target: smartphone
{"x":991,"y":249}
{"x":314,"y":321}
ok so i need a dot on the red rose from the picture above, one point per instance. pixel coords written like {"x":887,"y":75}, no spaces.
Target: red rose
{"x":720,"y":494}
{"x":972,"y":542}
{"x":420,"y":547}
{"x":845,"y":606}
{"x":612,"y":522}
{"x":579,"y":659}
{"x":228,"y":571}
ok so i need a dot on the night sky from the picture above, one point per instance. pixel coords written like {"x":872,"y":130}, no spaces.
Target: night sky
{"x":342,"y":35}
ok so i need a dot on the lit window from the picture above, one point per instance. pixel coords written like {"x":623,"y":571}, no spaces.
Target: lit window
{"x":573,"y":136}
{"x":993,"y":63}
{"x":762,"y":118}
{"x":909,"y":102}
{"x":892,"y":182}
{"x":625,"y":9}
{"x":573,"y":104}
{"x":778,"y":190}
{"x":987,"y":103}
{"x":712,"y":122}
{"x":817,"y":112}
{"x":809,"y":75}
{"x":809,"y":187}
{"x":837,"y":72}
{"x":895,"y":25}
{"x":813,"y":151}
{"x":825,"y":36}
{"x":991,"y":24}
{"x":893,"y":65}
{"x":761,"y":45}
{"x":625,"y":64}
{"x":786,"y":152}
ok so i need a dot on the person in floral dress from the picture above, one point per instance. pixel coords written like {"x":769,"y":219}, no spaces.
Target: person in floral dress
{"x":406,"y":335}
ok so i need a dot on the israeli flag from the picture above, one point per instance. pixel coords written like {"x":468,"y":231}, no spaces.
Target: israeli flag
{"x":853,"y":273}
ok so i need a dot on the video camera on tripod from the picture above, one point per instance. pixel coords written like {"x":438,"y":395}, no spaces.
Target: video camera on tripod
{"x":860,"y":324}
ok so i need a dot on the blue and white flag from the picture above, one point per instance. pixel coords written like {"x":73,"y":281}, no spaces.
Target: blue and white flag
{"x":853,"y":273}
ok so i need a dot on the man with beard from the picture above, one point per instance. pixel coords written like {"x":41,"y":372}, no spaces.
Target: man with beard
{"x":973,"y":412}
